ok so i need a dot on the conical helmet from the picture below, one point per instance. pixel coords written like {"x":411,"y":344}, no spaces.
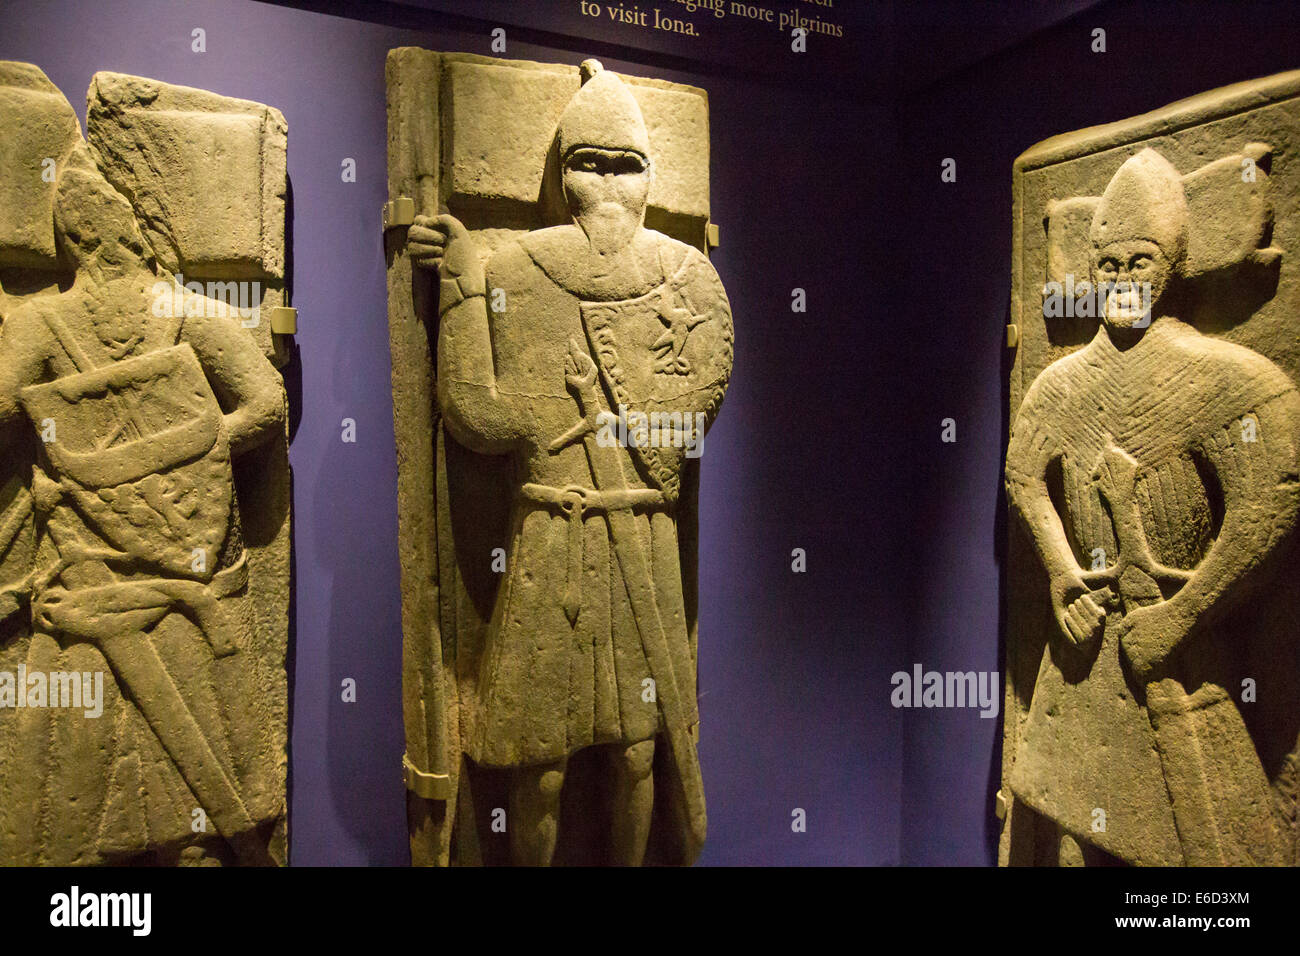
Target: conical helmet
{"x":1144,"y":200}
{"x":602,"y":114}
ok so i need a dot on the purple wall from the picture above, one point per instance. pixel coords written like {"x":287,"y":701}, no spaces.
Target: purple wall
{"x":794,"y":667}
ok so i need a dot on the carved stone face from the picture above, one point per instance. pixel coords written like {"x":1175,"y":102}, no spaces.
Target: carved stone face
{"x":606,"y":191}
{"x":1133,"y":275}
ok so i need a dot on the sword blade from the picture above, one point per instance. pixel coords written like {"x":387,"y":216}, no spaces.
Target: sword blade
{"x":141,"y":672}
{"x":608,"y":474}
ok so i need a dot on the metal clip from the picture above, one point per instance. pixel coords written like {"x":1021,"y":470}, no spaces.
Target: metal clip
{"x":399,"y":212}
{"x":284,"y":320}
{"x":1013,"y":336}
{"x":430,"y":786}
{"x":713,"y":235}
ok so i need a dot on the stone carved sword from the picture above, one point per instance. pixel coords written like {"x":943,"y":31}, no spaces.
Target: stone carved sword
{"x":144,"y":677}
{"x":1187,"y":735}
{"x":141,"y":670}
{"x":609,"y":475}
{"x":1116,"y":480}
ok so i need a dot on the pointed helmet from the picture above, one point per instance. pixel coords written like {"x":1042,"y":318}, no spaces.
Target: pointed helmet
{"x":602,"y":114}
{"x":1144,"y":200}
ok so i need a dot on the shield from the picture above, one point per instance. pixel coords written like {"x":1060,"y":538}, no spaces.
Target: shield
{"x":666,"y":354}
{"x":135,"y":446}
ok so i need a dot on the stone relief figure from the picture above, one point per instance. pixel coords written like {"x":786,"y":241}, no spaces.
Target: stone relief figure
{"x":567,"y":338}
{"x":1156,"y":471}
{"x":139,"y":576}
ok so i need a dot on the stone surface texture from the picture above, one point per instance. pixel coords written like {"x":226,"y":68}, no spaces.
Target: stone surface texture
{"x":1153,"y":479}
{"x":144,"y":515}
{"x":555,"y":273}
{"x":207,"y":178}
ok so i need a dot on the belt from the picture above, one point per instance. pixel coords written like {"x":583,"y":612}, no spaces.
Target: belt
{"x":157,"y":592}
{"x":576,"y":503}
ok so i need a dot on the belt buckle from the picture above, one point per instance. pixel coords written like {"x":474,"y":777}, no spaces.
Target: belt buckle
{"x":574,"y":500}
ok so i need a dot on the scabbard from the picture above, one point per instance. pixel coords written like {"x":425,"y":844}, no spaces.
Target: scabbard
{"x":1222,"y":801}
{"x":142,"y":674}
{"x":610,"y":479}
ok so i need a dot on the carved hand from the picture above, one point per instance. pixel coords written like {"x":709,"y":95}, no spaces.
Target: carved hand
{"x":1147,"y":637}
{"x":1080,"y":612}
{"x":82,"y":614}
{"x":442,"y":243}
{"x":579,"y":369}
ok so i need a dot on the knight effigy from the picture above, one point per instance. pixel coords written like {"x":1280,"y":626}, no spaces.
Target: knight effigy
{"x":591,"y":356}
{"x":1153,"y":474}
{"x":139,"y":570}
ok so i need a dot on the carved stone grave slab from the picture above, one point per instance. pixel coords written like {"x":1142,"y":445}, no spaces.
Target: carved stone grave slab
{"x":144,"y":516}
{"x":549,"y":290}
{"x":1153,"y":477}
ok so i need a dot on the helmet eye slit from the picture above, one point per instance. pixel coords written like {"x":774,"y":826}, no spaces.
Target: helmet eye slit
{"x":606,"y":162}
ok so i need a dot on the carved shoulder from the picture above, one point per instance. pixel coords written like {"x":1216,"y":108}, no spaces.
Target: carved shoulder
{"x":1052,"y":388}
{"x":25,"y":332}
{"x":507,"y":264}
{"x":26,"y":344}
{"x":1258,"y":375}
